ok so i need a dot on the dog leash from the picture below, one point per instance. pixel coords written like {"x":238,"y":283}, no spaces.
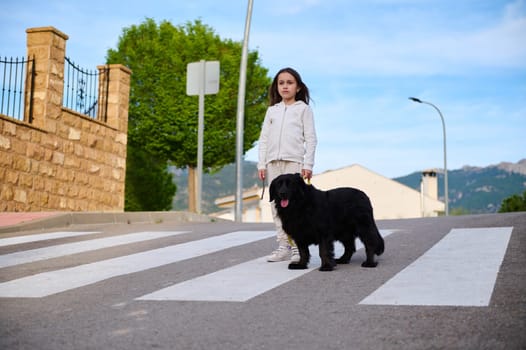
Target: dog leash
{"x":263,"y":185}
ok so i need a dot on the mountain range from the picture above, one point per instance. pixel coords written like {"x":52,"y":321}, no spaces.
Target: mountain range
{"x":472,"y":190}
{"x":477,"y":190}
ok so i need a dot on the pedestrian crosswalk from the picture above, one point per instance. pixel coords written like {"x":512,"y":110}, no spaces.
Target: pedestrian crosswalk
{"x":241,"y":282}
{"x":460,"y":269}
{"x":52,"y":282}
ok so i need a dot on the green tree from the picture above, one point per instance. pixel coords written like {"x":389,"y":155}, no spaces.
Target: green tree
{"x":513,"y":203}
{"x":163,"y":119}
{"x":149,"y":185}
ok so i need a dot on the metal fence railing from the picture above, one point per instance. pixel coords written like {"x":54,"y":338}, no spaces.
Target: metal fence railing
{"x":13,"y":78}
{"x":81,"y":89}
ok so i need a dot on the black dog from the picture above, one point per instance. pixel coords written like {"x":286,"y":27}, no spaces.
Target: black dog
{"x":311,"y":216}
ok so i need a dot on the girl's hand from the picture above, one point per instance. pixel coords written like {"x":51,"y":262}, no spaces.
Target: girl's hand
{"x":262,"y":174}
{"x":306,"y":174}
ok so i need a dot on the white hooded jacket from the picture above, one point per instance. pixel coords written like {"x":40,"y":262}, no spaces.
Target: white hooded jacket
{"x":288,"y":133}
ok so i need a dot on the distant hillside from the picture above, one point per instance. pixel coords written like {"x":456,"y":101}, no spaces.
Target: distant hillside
{"x":477,"y":190}
{"x":472,"y":190}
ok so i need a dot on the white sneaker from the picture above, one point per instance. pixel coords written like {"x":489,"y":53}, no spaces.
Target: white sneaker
{"x":295,"y":254}
{"x":280,"y":254}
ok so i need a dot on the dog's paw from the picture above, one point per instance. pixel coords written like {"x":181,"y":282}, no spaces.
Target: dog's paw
{"x":369,"y":264}
{"x":297,"y":266}
{"x":327,"y":268}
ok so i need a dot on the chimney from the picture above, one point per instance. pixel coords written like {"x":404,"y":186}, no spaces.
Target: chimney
{"x":430,"y":183}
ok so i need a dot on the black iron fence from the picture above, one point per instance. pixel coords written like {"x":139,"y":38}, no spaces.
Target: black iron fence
{"x":14,"y":73}
{"x":81,"y":89}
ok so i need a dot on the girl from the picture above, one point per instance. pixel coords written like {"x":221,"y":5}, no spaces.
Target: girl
{"x":287,"y":144}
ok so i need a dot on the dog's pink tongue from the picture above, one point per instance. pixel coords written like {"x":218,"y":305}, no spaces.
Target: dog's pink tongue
{"x":284,"y":203}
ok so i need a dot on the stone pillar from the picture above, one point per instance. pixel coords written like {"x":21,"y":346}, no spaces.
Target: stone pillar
{"x":48,"y":46}
{"x":114,"y":95}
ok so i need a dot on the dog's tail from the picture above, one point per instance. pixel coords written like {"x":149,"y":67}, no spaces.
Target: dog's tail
{"x":380,"y":245}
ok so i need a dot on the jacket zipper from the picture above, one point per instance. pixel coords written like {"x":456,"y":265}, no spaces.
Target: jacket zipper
{"x":281,"y":132}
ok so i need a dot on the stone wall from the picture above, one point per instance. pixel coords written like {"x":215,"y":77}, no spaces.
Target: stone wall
{"x":63,"y":160}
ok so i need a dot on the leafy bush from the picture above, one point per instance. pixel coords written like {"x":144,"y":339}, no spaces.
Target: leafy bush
{"x":513,"y":203}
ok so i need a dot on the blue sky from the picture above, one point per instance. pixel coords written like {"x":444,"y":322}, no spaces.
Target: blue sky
{"x":361,"y":59}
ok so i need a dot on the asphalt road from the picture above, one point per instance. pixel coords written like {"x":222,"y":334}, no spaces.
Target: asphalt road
{"x":205,"y":286}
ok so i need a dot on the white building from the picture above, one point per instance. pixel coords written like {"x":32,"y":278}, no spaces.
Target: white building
{"x":390,"y":199}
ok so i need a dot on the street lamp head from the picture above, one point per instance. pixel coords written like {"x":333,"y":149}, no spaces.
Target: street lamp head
{"x":446,"y":189}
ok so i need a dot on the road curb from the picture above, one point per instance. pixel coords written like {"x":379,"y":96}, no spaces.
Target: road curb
{"x":60,"y":220}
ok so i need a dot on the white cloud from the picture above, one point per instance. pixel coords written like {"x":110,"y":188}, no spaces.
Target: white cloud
{"x":398,"y":48}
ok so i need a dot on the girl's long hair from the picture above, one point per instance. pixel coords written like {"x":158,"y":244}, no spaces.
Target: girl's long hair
{"x":302,"y":95}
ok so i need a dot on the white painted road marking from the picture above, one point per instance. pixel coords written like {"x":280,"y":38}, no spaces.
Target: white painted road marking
{"x":38,"y":254}
{"x":238,"y":283}
{"x":460,"y":270}
{"x":53,"y":282}
{"x":41,"y":237}
{"x":241,"y":282}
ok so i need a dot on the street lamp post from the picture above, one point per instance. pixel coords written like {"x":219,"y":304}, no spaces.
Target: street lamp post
{"x":446,"y":199}
{"x":238,"y":210}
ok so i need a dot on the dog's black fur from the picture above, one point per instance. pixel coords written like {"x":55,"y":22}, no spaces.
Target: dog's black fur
{"x":311,"y":216}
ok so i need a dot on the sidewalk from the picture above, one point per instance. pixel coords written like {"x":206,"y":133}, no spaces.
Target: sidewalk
{"x":18,"y":221}
{"x":9,"y":219}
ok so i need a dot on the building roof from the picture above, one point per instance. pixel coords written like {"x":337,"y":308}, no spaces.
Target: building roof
{"x":390,"y":198}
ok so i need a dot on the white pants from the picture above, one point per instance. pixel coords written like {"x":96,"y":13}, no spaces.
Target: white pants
{"x":274,"y":169}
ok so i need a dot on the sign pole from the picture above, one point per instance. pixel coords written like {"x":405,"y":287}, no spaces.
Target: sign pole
{"x":202,"y":79}
{"x":200,"y":132}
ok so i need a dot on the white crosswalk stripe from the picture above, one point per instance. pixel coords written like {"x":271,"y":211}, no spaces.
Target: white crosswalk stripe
{"x":33,"y":255}
{"x":460,"y":270}
{"x":238,"y":283}
{"x":41,"y":237}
